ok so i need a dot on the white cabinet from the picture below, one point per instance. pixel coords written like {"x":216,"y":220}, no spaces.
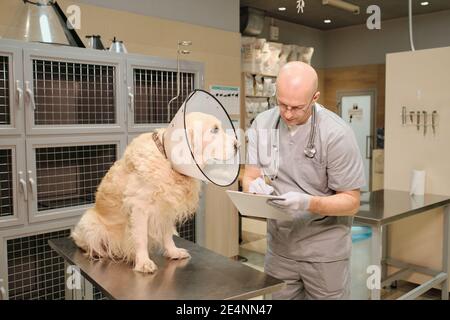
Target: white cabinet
{"x":13,"y":185}
{"x":151,"y":84}
{"x":70,"y":92}
{"x":63,"y":173}
{"x":66,"y":115}
{"x":11,"y":90}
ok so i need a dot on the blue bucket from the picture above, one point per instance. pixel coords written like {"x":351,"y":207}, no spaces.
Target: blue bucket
{"x":360,"y":233}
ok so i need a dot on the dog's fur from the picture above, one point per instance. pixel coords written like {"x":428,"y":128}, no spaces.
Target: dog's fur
{"x":139,"y":201}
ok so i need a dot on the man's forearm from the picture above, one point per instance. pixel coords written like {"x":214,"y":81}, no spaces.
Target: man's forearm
{"x":341,"y":204}
{"x":251,"y":173}
{"x":245,"y":183}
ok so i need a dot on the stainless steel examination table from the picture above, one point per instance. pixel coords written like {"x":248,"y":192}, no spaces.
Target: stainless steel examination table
{"x":206,"y":275}
{"x":381,"y":208}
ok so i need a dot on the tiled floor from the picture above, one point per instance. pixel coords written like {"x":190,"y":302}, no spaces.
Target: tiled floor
{"x":253,"y":248}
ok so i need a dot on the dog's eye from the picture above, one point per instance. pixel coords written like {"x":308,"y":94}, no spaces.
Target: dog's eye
{"x":215,"y":130}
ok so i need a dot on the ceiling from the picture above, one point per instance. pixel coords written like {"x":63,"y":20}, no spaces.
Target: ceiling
{"x":315,"y":13}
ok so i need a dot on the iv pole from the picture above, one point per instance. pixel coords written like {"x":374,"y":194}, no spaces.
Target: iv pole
{"x":184,"y":43}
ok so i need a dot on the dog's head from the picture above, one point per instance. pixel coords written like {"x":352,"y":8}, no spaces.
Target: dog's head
{"x":208,"y":140}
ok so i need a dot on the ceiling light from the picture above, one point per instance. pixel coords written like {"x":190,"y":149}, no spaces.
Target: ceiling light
{"x":327,"y":21}
{"x":342,"y":5}
{"x":282,"y":9}
{"x":424,"y":3}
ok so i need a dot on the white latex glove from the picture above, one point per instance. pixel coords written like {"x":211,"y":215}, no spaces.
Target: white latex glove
{"x":292,"y":202}
{"x":259,"y":186}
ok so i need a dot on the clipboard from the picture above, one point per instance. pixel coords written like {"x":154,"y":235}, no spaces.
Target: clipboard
{"x":255,"y":205}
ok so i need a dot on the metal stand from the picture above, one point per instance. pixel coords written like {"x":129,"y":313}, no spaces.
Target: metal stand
{"x":379,"y":258}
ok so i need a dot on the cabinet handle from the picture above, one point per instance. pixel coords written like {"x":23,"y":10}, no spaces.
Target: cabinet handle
{"x":19,"y":94}
{"x":2,"y":291}
{"x":32,"y":184}
{"x":23,"y":184}
{"x":131,"y":97}
{"x":368,"y":147}
{"x":30,"y":94}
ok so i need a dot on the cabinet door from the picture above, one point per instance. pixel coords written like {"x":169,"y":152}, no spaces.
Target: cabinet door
{"x":13,"y":186}
{"x":11,"y":90}
{"x":30,"y":268}
{"x":151,"y":84}
{"x":63,"y":173}
{"x":73,"y":92}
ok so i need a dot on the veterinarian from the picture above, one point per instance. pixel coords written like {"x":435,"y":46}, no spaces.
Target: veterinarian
{"x":319,"y":173}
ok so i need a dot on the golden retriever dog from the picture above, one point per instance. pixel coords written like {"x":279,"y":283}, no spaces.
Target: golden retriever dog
{"x":141,"y":198}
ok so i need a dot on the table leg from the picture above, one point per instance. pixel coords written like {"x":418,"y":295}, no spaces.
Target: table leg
{"x":374,"y":283}
{"x":267,"y":296}
{"x":445,"y":251}
{"x":384,"y":251}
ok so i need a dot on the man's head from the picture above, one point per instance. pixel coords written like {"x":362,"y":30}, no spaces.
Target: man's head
{"x":297,"y":85}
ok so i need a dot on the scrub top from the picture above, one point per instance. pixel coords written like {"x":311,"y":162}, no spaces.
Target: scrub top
{"x":337,"y":166}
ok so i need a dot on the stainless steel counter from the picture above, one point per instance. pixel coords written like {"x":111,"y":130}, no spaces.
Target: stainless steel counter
{"x":387,"y":206}
{"x":206,"y":275}
{"x":381,"y":208}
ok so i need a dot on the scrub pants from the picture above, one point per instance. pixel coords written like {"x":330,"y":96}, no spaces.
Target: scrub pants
{"x":309,"y":280}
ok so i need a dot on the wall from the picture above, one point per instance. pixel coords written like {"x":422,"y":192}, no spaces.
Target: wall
{"x":418,"y":240}
{"x":219,"y":50}
{"x":357,"y":45}
{"x":353,"y":58}
{"x":209,"y":13}
{"x":356,"y":78}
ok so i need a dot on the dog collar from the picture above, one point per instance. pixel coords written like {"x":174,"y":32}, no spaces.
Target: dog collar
{"x":159,"y":144}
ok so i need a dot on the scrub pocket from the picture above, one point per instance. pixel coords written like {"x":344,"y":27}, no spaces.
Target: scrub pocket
{"x":335,"y":276}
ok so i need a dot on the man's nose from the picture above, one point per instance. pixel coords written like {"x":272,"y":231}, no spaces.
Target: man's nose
{"x":288,"y":114}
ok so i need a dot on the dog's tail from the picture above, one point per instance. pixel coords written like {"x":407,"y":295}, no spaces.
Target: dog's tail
{"x":91,"y":235}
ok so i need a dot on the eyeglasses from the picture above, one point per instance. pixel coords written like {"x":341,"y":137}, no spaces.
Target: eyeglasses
{"x":295,"y":109}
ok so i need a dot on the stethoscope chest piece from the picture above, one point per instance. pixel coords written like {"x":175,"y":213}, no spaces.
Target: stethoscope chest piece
{"x":310,"y":152}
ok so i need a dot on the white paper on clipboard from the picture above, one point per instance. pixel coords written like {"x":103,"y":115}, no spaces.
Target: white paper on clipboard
{"x":255,"y":205}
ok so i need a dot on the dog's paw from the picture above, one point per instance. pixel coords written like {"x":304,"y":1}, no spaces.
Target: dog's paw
{"x":177,"y":253}
{"x":145,"y":266}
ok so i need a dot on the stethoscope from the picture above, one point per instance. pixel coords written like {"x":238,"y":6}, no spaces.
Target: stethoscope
{"x":310,"y":150}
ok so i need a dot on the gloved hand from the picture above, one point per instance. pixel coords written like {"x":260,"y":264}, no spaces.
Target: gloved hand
{"x":293,"y":202}
{"x":259,"y":186}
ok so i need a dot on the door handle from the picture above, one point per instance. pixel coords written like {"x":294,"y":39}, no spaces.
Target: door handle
{"x":19,"y":92}
{"x":32,"y":184}
{"x":368,"y":147}
{"x":23,"y":185}
{"x":30,"y":94}
{"x":131,"y":98}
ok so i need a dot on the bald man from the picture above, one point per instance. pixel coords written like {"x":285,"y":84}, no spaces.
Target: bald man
{"x":318,"y":175}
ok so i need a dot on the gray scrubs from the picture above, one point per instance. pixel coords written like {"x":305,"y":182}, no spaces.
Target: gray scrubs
{"x":312,"y":252}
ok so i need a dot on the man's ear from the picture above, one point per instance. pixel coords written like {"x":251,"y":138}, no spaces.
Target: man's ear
{"x":316,"y":96}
